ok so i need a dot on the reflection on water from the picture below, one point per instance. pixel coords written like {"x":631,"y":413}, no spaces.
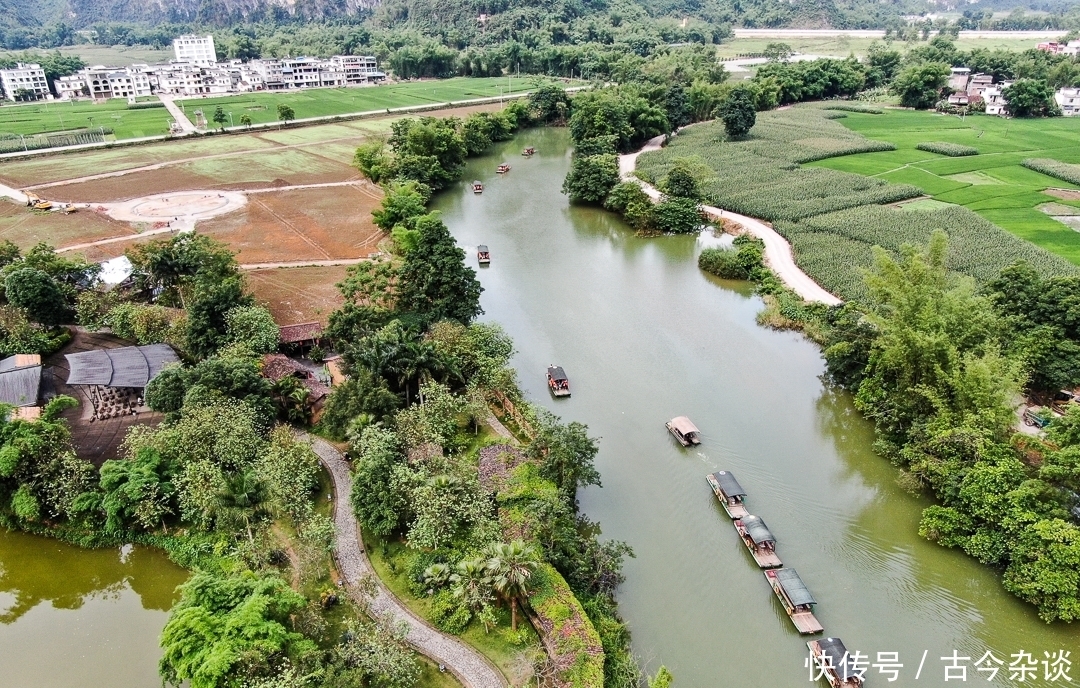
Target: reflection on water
{"x":644,"y":336}
{"x":71,"y":616}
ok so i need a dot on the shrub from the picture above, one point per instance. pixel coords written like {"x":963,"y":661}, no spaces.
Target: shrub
{"x":855,"y":107}
{"x":737,"y":262}
{"x":591,"y":178}
{"x":678,"y":215}
{"x":953,"y":150}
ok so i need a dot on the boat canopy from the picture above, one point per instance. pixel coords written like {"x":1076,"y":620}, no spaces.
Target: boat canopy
{"x":482,"y":249}
{"x":757,"y":530}
{"x":834,"y":649}
{"x":477,"y":183}
{"x":729,"y":484}
{"x":683,"y":426}
{"x":557,"y":373}
{"x":794,"y":587}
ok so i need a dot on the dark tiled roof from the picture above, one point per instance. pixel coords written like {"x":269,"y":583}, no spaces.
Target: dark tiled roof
{"x":19,"y":386}
{"x":302,"y":332}
{"x":129,"y":366}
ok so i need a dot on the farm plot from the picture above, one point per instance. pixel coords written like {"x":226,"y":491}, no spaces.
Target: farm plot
{"x":994,"y":183}
{"x":296,"y":295}
{"x":25,"y":228}
{"x":761,"y":176}
{"x":306,"y":224}
{"x":834,"y":248}
{"x":56,"y":116}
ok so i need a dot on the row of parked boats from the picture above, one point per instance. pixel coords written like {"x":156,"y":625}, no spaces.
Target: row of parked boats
{"x":478,"y":186}
{"x":786,"y":584}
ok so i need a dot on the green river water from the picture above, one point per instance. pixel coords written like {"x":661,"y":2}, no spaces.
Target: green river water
{"x":644,"y":336}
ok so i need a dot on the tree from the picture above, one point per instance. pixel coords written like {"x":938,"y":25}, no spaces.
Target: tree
{"x":680,"y":181}
{"x":38,"y":294}
{"x":775,"y":52}
{"x":207,"y":327}
{"x":245,"y":500}
{"x":1030,"y":98}
{"x":677,"y":215}
{"x":220,"y":118}
{"x":738,"y":113}
{"x":882,"y":64}
{"x":361,"y":393}
{"x":137,"y":490}
{"x":471,"y":585}
{"x":565,"y":452}
{"x":591,"y":178}
{"x":380,"y":495}
{"x":920,"y":85}
{"x":379,"y":651}
{"x":510,"y":567}
{"x":285,"y":113}
{"x":254,"y":327}
{"x":403,"y":201}
{"x":228,"y":628}
{"x":174,"y":265}
{"x":245,"y":120}
{"x":434,"y":280}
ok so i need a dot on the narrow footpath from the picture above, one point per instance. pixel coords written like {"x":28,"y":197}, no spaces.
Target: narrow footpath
{"x":469,"y":666}
{"x":778,"y":254}
{"x":178,"y":114}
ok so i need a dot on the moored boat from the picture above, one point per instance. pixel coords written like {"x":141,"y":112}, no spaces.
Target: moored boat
{"x":503,"y":168}
{"x":528,"y":151}
{"x":759,"y":540}
{"x":478,"y":186}
{"x":730,"y":493}
{"x":483,"y":256}
{"x":684,"y":431}
{"x":796,"y":598}
{"x":558,"y":383}
{"x":834,"y":663}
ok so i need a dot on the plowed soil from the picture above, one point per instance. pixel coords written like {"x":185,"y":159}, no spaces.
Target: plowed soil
{"x":25,"y":227}
{"x":296,"y":295}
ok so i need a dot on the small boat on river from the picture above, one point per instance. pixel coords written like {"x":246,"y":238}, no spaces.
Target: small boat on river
{"x":483,"y":256}
{"x":759,"y":540}
{"x":684,"y":431}
{"x":503,"y":168}
{"x":478,"y":187}
{"x":796,"y":598}
{"x":729,"y":492}
{"x":529,"y":151}
{"x":558,"y":383}
{"x":834,"y":662}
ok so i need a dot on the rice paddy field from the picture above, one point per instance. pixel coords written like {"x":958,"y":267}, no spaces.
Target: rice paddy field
{"x":57,"y":116}
{"x":835,"y":193}
{"x":325,"y":102}
{"x":842,"y":46}
{"x":993,"y":183}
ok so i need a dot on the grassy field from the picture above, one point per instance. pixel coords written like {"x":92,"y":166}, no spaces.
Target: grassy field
{"x":323,"y":102}
{"x":39,"y":118}
{"x":842,"y":46}
{"x":993,"y":183}
{"x":112,"y":56}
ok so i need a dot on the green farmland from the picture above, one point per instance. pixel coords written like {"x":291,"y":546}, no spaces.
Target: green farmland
{"x":44,"y":117}
{"x":324,"y":102}
{"x":993,"y":183}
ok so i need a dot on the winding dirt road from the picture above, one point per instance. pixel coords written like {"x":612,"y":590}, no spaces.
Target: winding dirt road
{"x":778,"y":255}
{"x":469,"y":666}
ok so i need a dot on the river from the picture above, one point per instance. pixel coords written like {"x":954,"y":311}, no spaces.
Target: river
{"x":645,"y":336}
{"x":72,"y":617}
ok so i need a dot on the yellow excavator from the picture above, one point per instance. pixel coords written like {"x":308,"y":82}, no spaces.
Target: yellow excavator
{"x":35,"y":202}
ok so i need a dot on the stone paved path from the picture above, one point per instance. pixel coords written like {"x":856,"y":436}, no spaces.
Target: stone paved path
{"x":469,"y":666}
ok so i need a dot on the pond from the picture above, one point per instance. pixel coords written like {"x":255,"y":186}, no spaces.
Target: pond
{"x":644,"y":336}
{"x":78,"y":617}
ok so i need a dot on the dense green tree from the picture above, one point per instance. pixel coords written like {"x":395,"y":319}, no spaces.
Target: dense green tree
{"x":137,"y":491}
{"x":428,"y":150}
{"x":434,"y":280}
{"x":219,"y":117}
{"x":226,"y":629}
{"x":920,"y":86}
{"x":566,"y":453}
{"x":738,"y":113}
{"x":677,"y":215}
{"x":681,"y":181}
{"x":403,"y":201}
{"x":39,"y":295}
{"x":362,"y":393}
{"x":591,"y":178}
{"x":243,"y":501}
{"x":254,"y":327}
{"x":208,"y":307}
{"x":381,"y":481}
{"x":213,"y":378}
{"x":510,"y":567}
{"x":629,"y":199}
{"x":175,"y":264}
{"x":882,"y":64}
{"x":1030,"y":98}
{"x":285,"y":113}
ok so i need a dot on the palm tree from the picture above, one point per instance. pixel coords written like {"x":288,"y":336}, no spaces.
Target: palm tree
{"x":472,"y":585}
{"x":243,"y":501}
{"x":510,"y":567}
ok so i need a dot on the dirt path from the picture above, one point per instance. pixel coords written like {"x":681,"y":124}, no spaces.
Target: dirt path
{"x":303,"y":264}
{"x":181,"y":118}
{"x":778,"y":253}
{"x":468,"y":665}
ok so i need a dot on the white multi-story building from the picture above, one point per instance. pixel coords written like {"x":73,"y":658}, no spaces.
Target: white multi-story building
{"x":1068,"y":99}
{"x":995,"y":100}
{"x":24,"y":82}
{"x":358,"y":69}
{"x":195,"y":49}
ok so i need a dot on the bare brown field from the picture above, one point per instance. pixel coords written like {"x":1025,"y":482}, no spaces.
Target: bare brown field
{"x":303,"y":224}
{"x":296,"y":295}
{"x":127,"y":187}
{"x":25,"y":228}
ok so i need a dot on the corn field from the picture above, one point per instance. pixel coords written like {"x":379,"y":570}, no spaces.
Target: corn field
{"x":1054,"y":168}
{"x":761,"y":176}
{"x":953,"y":150}
{"x":834,"y":248}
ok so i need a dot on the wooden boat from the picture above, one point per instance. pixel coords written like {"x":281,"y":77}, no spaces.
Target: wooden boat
{"x":684,"y":431}
{"x":729,"y":492}
{"x":796,"y":598}
{"x":558,"y":383}
{"x":477,"y":187}
{"x":759,"y":540}
{"x":483,"y":256}
{"x":529,"y":151}
{"x":503,"y":168}
{"x":835,"y":663}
